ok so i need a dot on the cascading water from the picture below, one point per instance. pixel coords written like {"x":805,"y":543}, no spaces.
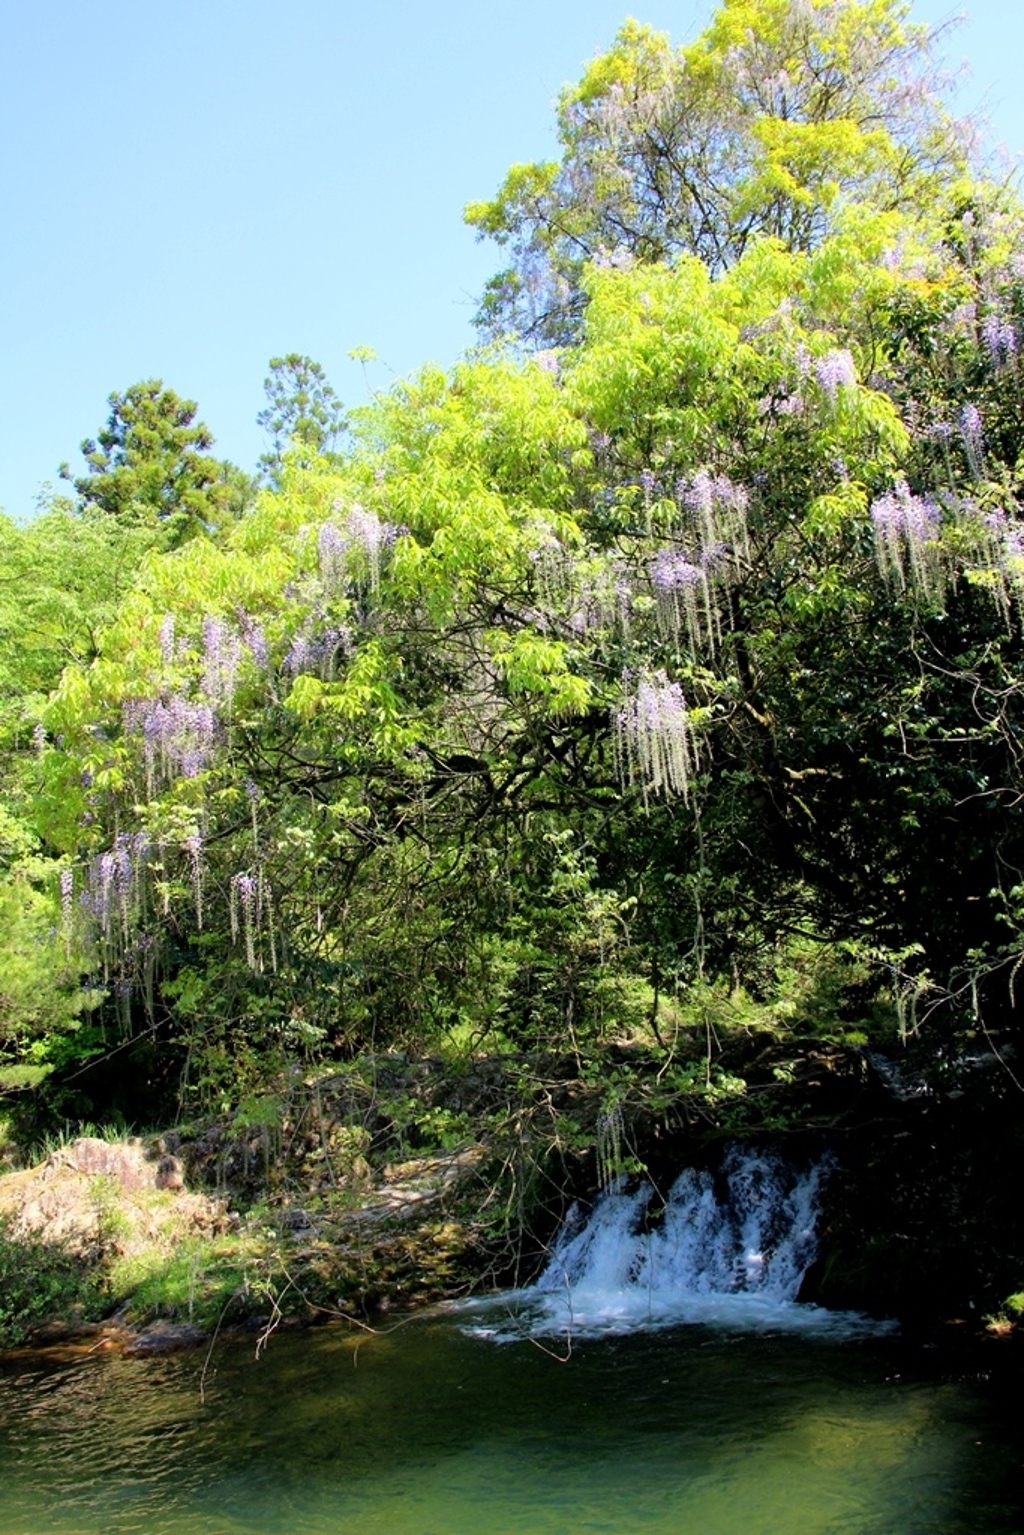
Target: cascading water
{"x":729,"y":1249}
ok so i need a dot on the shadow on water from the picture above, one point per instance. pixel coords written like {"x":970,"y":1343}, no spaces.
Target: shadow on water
{"x":431,"y":1431}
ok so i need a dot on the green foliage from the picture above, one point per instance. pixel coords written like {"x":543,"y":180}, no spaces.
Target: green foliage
{"x":41,"y":1000}
{"x":414,"y":661}
{"x":41,"y":1280}
{"x":780,"y":120}
{"x":63,"y":577}
{"x":204,"y":1280}
{"x":303,"y":415}
{"x":151,"y":466}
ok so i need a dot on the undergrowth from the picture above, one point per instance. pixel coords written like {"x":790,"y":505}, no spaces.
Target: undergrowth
{"x":40,"y":1280}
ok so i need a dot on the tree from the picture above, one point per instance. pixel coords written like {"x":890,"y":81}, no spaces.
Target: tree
{"x":582,"y":679}
{"x":62,"y":579}
{"x":303,"y":414}
{"x":785,"y":116}
{"x":151,"y":465}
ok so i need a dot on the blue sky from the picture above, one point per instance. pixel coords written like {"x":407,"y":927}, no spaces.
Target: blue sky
{"x":191,"y":189}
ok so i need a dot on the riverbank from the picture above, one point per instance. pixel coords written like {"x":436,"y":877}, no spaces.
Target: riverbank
{"x":104,"y":1246}
{"x":397,"y":1182}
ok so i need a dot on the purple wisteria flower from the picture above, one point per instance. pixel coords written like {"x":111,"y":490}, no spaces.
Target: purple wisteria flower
{"x":317,"y":651}
{"x":906,"y":529}
{"x":193,"y":848}
{"x":368,"y":533}
{"x":1004,"y":539}
{"x":300,"y":654}
{"x":222,"y":654}
{"x":684,"y":597}
{"x":113,"y":884}
{"x":1000,"y":339}
{"x":598,"y":596}
{"x":836,"y":370}
{"x":67,"y":897}
{"x":653,"y":736}
{"x":178,"y":736}
{"x":553,"y":567}
{"x":1013,"y":542}
{"x":167,"y":639}
{"x":356,"y":536}
{"x":718,"y":508}
{"x":332,"y":551}
{"x":254,"y":638}
{"x":244,"y":908}
{"x":671,"y":571}
{"x":904,"y":513}
{"x":972,"y":433}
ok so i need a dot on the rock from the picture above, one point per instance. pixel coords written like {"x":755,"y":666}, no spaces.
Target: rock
{"x":125,"y":1163}
{"x":170,"y":1174}
{"x":163,"y":1338}
{"x":296,"y":1223}
{"x":57,"y":1330}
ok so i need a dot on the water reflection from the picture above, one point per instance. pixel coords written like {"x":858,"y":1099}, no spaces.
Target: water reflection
{"x":427,"y":1430}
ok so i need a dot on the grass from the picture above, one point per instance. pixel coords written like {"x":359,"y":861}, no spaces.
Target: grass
{"x":197,"y":1280}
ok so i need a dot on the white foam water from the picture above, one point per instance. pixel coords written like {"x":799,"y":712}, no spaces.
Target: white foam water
{"x":729,"y":1250}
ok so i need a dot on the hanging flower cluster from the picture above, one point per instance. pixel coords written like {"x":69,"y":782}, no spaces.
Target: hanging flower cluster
{"x":653,"y":737}
{"x":836,"y":370}
{"x":354,"y":544}
{"x":167,"y":639}
{"x":717,"y":511}
{"x":599,"y":598}
{"x":178,"y":736}
{"x":317,"y":650}
{"x":907,"y":547}
{"x":250,"y":912}
{"x":972,"y":433}
{"x":684,"y":598}
{"x":553,"y":568}
{"x":178,"y":731}
{"x":193,"y":846}
{"x":255,"y":640}
{"x":999,"y":337}
{"x":1002,"y":547}
{"x":222,"y":656}
{"x":112,"y":897}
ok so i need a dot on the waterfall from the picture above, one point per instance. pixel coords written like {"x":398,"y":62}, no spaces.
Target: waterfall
{"x":728,"y":1248}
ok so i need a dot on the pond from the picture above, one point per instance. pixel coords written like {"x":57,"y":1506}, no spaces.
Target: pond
{"x":659,"y":1376}
{"x":431,"y":1429}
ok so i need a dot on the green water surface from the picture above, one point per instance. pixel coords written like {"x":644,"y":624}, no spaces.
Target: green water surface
{"x":425,"y":1431}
